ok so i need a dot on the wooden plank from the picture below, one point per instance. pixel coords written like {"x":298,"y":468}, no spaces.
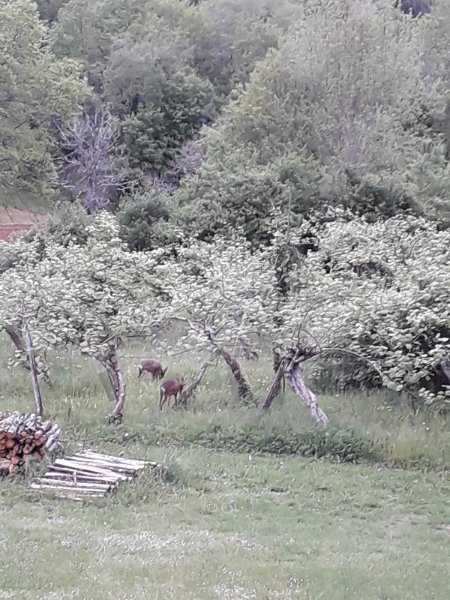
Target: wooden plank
{"x":131,"y":461}
{"x":72,"y":470}
{"x":77,"y":484}
{"x":80,"y":477}
{"x":65,"y":488}
{"x":79,"y":466}
{"x":110,"y":463}
{"x":105,"y":465}
{"x":88,"y":474}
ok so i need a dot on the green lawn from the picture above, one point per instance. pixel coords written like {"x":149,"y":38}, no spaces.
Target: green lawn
{"x":235,"y":526}
{"x":224,"y":525}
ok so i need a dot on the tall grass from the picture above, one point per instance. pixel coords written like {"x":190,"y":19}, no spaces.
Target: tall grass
{"x":363,"y":427}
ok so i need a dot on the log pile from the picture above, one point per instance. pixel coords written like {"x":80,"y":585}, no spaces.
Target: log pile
{"x":23,"y":438}
{"x":87,"y":475}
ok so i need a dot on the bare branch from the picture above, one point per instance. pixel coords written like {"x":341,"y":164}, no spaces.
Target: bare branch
{"x":94,"y":165}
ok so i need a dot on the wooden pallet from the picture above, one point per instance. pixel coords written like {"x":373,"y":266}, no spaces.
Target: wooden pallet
{"x":88,"y":475}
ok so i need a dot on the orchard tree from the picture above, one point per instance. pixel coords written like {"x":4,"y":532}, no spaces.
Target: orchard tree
{"x":369,"y":298}
{"x":225,"y":296}
{"x":91,"y":296}
{"x":390,"y":305}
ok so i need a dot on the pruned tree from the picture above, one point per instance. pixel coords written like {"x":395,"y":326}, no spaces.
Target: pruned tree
{"x":370,"y":303}
{"x":90,"y":296}
{"x":93,"y":164}
{"x":218,"y":292}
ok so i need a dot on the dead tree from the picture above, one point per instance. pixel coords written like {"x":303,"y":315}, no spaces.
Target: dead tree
{"x":93,"y":165}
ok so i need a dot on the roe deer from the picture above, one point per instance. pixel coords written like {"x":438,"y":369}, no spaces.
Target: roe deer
{"x":149,"y":365}
{"x":171,"y":387}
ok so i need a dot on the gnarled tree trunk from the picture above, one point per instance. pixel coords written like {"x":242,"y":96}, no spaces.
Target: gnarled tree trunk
{"x":191,"y":388}
{"x":289,"y":366}
{"x":34,"y":374}
{"x":111,"y":364}
{"x":18,"y":341}
{"x":296,"y":382}
{"x":274,"y":388}
{"x":243,"y":388}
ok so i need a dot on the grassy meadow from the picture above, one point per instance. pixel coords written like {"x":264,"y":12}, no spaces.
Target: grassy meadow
{"x":248,"y":507}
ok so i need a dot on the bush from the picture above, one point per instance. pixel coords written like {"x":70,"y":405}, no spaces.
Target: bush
{"x":141,"y":222}
{"x":172,"y":113}
{"x":232,"y":192}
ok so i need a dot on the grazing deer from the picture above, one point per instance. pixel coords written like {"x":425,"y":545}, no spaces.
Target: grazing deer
{"x":171,"y":387}
{"x":149,"y":365}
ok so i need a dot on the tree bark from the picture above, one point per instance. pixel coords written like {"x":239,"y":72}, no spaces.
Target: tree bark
{"x":111,"y":364}
{"x":33,"y":372}
{"x":243,"y":388}
{"x":19,"y":343}
{"x":281,"y":363}
{"x":445,"y":367}
{"x":296,"y":382}
{"x":190,"y":390}
{"x":277,"y":361}
{"x":289,"y":367}
{"x":274,"y":388}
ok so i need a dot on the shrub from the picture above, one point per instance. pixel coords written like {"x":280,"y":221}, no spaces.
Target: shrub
{"x":142,"y":222}
{"x":173,"y":111}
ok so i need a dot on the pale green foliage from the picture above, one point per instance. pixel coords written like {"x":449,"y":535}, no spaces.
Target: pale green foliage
{"x":234,"y":36}
{"x":89,"y":295}
{"x":377,"y":290}
{"x":221,"y":287}
{"x":36,"y":90}
{"x":221,"y":40}
{"x":346,"y":82}
{"x":86,"y":28}
{"x":386,"y":298}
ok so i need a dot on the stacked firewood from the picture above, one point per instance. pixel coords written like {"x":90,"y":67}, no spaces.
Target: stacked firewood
{"x":25,"y":437}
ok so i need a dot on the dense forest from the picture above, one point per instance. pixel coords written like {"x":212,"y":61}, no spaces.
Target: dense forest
{"x":262,"y":174}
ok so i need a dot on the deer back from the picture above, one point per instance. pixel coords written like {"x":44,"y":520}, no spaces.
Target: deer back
{"x":170,"y":387}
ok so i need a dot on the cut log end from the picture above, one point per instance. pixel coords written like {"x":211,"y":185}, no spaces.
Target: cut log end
{"x":24,"y":437}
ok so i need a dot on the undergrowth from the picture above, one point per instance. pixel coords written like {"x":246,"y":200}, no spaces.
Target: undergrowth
{"x":372,"y":427}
